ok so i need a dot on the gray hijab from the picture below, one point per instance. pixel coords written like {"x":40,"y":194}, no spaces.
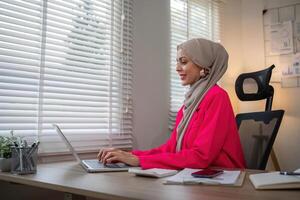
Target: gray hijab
{"x":211,"y":56}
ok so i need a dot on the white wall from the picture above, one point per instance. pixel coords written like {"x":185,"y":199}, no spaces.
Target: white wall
{"x":151,"y":72}
{"x":287,"y":142}
{"x":231,"y":38}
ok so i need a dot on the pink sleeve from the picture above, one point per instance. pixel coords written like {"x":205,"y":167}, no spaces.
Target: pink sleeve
{"x":207,"y":144}
{"x":169,"y":146}
{"x":166,"y":147}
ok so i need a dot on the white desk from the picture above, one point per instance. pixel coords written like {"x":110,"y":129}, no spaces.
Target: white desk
{"x":71,"y":178}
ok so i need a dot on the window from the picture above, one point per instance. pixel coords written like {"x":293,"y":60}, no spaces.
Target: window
{"x":68,"y":63}
{"x":189,"y":19}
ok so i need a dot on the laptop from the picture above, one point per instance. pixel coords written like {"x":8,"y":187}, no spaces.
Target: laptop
{"x":93,"y":165}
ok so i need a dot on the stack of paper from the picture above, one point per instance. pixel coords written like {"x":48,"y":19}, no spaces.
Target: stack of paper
{"x":154,"y":172}
{"x":274,"y":180}
{"x":185,"y":177}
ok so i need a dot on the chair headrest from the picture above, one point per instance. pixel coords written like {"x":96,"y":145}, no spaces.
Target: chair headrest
{"x":259,"y":85}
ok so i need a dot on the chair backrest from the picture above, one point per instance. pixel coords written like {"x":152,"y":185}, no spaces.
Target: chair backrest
{"x":258,"y":131}
{"x":255,"y":86}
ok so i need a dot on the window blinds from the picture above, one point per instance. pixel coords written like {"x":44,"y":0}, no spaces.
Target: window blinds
{"x":189,"y":19}
{"x":68,"y":63}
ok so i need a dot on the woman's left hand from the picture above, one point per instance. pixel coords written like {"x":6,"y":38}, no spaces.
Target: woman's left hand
{"x":121,"y":156}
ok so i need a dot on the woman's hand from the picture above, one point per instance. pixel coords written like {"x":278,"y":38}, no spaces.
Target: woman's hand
{"x":111,"y":155}
{"x":103,"y":152}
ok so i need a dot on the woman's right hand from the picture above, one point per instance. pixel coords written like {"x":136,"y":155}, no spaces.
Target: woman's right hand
{"x":103,"y":152}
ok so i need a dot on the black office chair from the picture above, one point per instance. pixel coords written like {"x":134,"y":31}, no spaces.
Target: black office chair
{"x":255,"y":86}
{"x":258,"y":130}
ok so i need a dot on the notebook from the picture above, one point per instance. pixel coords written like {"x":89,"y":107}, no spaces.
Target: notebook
{"x":154,"y":172}
{"x":232,"y":178}
{"x":92,"y":165}
{"x":274,"y":180}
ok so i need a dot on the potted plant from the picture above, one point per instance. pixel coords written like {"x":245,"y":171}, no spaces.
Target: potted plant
{"x":5,"y":152}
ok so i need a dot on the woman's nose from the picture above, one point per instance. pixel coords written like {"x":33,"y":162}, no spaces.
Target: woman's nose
{"x":178,"y":67}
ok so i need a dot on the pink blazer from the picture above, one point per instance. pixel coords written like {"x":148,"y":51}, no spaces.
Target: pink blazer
{"x":211,"y":139}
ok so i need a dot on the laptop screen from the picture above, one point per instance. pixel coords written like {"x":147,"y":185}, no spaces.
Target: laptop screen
{"x":66,"y":141}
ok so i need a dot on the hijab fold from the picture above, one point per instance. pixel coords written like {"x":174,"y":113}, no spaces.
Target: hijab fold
{"x":205,"y":54}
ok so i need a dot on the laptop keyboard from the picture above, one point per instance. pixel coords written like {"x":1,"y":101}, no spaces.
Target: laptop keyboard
{"x":96,"y":164}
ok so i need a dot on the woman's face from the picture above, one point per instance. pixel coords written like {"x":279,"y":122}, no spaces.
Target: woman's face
{"x":189,"y":72}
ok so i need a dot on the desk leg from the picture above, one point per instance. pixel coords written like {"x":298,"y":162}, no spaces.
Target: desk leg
{"x":69,"y":196}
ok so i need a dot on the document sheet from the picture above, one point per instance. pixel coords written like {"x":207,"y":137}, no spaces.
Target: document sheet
{"x":185,"y":177}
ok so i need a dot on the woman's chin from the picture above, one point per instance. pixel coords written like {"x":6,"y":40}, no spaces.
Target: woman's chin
{"x":184,"y":83}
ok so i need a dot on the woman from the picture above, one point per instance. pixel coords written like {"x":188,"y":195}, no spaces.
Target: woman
{"x":205,"y":133}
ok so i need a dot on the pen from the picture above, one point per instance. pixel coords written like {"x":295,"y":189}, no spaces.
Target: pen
{"x":21,"y":158}
{"x":290,"y":173}
{"x":29,"y":156}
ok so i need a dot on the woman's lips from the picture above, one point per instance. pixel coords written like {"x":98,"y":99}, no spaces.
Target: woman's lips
{"x":182,"y":76}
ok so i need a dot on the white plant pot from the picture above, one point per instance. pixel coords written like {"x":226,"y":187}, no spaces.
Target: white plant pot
{"x":5,"y":164}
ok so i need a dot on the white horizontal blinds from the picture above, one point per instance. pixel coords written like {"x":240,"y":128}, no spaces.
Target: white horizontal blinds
{"x":84,"y":75}
{"x":20,"y":43}
{"x":179,"y":27}
{"x":204,"y":19}
{"x":189,"y":19}
{"x":121,"y":66}
{"x":216,"y":24}
{"x":121,"y":77}
{"x":69,"y":63}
